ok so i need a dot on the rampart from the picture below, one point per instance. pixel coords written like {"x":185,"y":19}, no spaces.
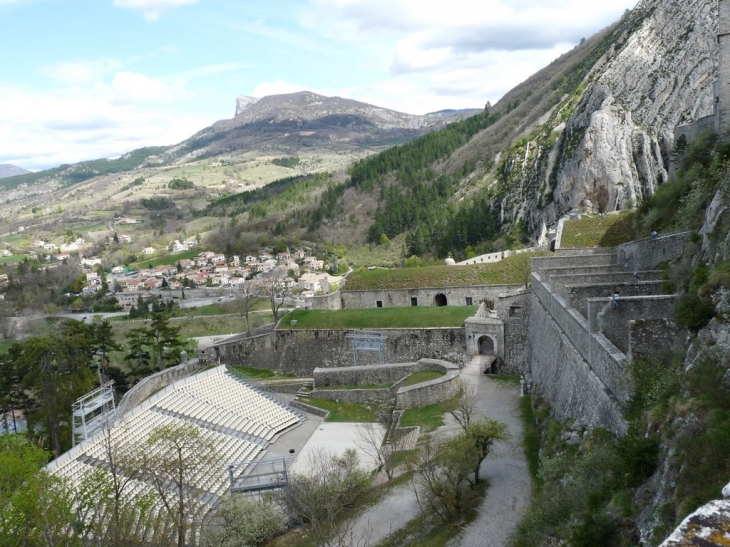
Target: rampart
{"x":455,"y":296}
{"x":300,"y":351}
{"x":579,"y":336}
{"x":648,"y":253}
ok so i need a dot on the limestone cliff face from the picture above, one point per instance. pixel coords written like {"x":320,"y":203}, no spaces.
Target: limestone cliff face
{"x":658,"y":77}
{"x":605,"y":143}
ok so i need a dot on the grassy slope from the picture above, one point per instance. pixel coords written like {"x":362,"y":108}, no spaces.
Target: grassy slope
{"x":383,"y":318}
{"x":512,"y":270}
{"x":419,"y":377}
{"x":165,"y":260}
{"x":594,"y":231}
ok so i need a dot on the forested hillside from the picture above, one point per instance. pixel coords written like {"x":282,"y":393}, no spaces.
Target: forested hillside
{"x":502,"y":177}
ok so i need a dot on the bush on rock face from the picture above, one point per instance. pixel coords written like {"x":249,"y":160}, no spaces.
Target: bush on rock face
{"x":692,"y":312}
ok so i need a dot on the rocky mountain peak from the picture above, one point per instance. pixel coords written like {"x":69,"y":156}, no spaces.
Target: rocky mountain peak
{"x":9,"y":170}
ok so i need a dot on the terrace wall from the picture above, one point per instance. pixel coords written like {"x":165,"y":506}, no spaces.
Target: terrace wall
{"x":300,"y":351}
{"x":392,"y":298}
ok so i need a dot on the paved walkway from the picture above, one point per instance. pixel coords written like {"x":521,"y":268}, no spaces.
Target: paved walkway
{"x":505,"y":469}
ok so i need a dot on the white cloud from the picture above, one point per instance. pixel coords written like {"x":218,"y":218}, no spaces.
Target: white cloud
{"x":43,"y":129}
{"x":152,"y":9}
{"x":83,"y":72}
{"x":132,"y":87}
{"x":437,"y":34}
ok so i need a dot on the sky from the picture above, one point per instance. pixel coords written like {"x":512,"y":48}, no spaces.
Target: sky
{"x":87,"y":79}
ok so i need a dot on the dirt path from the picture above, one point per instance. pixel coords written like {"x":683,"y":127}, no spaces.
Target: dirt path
{"x":505,"y":469}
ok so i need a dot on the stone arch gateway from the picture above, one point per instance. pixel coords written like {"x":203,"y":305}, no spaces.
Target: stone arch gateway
{"x":485,"y":345}
{"x":440,"y":300}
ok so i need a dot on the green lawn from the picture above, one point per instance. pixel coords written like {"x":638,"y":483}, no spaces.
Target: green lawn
{"x":380,"y":318}
{"x":420,"y":377}
{"x":346,"y":412}
{"x":11,"y":259}
{"x":165,"y":260}
{"x":260,"y":373}
{"x":512,"y":270}
{"x":428,"y":417}
{"x":594,"y":231}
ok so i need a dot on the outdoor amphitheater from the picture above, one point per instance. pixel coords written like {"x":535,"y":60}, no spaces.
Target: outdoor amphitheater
{"x":240,"y":420}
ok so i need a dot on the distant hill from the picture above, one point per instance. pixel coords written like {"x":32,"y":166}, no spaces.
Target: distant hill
{"x":292,"y":122}
{"x":9,"y":170}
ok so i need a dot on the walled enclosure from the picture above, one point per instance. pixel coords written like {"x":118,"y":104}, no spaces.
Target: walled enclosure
{"x":299,"y":352}
{"x":418,"y":395}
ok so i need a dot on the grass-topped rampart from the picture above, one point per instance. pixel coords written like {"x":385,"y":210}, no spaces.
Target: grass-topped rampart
{"x":512,"y":270}
{"x":379,"y":318}
{"x":598,"y":231}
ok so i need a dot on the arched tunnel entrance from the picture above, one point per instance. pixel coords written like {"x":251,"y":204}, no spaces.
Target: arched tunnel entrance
{"x":441,"y":300}
{"x":486,"y":345}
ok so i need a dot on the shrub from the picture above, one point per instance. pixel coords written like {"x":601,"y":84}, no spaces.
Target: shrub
{"x":244,"y":522}
{"x":692,"y":312}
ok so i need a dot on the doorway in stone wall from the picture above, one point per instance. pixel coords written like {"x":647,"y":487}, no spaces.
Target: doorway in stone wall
{"x":441,"y":300}
{"x":486,"y":345}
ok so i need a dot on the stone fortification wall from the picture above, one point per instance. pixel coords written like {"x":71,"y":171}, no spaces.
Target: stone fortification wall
{"x":655,"y":337}
{"x":613,"y":322}
{"x":560,"y":282}
{"x":154,"y":383}
{"x":419,"y":395}
{"x":514,"y":310}
{"x":562,"y":375}
{"x":391,"y":298}
{"x":648,"y":253}
{"x":692,"y":130}
{"x":364,"y":375}
{"x":548,"y":274}
{"x":604,"y":375}
{"x":301,"y":351}
{"x":331,"y":302}
{"x":539,"y":264}
{"x":432,"y":392}
{"x":576,"y":296}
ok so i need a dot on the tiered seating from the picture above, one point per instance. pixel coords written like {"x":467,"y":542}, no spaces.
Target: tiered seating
{"x":235,"y":402}
{"x":237,"y":418}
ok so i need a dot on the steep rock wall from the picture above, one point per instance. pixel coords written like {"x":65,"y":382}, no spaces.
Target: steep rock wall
{"x":660,"y":78}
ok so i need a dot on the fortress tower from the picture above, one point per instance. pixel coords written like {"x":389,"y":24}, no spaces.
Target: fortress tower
{"x":723,"y":84}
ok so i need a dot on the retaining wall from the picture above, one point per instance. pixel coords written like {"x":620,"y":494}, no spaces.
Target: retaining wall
{"x":558,"y":283}
{"x":648,"y":253}
{"x":655,"y":337}
{"x":576,"y":296}
{"x":299,"y":352}
{"x":613,"y":322}
{"x":393,"y":298}
{"x":563,"y":376}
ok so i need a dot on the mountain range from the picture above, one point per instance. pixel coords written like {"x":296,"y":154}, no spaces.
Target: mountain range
{"x":8,"y":170}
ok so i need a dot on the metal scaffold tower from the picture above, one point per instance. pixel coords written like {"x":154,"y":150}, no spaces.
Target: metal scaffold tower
{"x":367,"y":340}
{"x":92,"y":412}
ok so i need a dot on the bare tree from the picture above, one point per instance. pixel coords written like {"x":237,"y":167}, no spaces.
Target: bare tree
{"x":319,"y":497}
{"x":381,"y":447}
{"x":176,"y":455}
{"x":245,"y":300}
{"x":8,"y":323}
{"x":276,"y":288}
{"x":466,"y":406}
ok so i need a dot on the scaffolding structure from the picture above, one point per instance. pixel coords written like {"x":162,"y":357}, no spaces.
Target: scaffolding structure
{"x":271,"y":474}
{"x":92,"y":412}
{"x":367,"y":340}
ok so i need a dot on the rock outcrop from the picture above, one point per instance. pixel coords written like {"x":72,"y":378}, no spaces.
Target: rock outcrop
{"x":659,"y":77}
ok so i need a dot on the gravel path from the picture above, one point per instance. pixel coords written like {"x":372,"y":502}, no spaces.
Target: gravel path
{"x":506,"y":467}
